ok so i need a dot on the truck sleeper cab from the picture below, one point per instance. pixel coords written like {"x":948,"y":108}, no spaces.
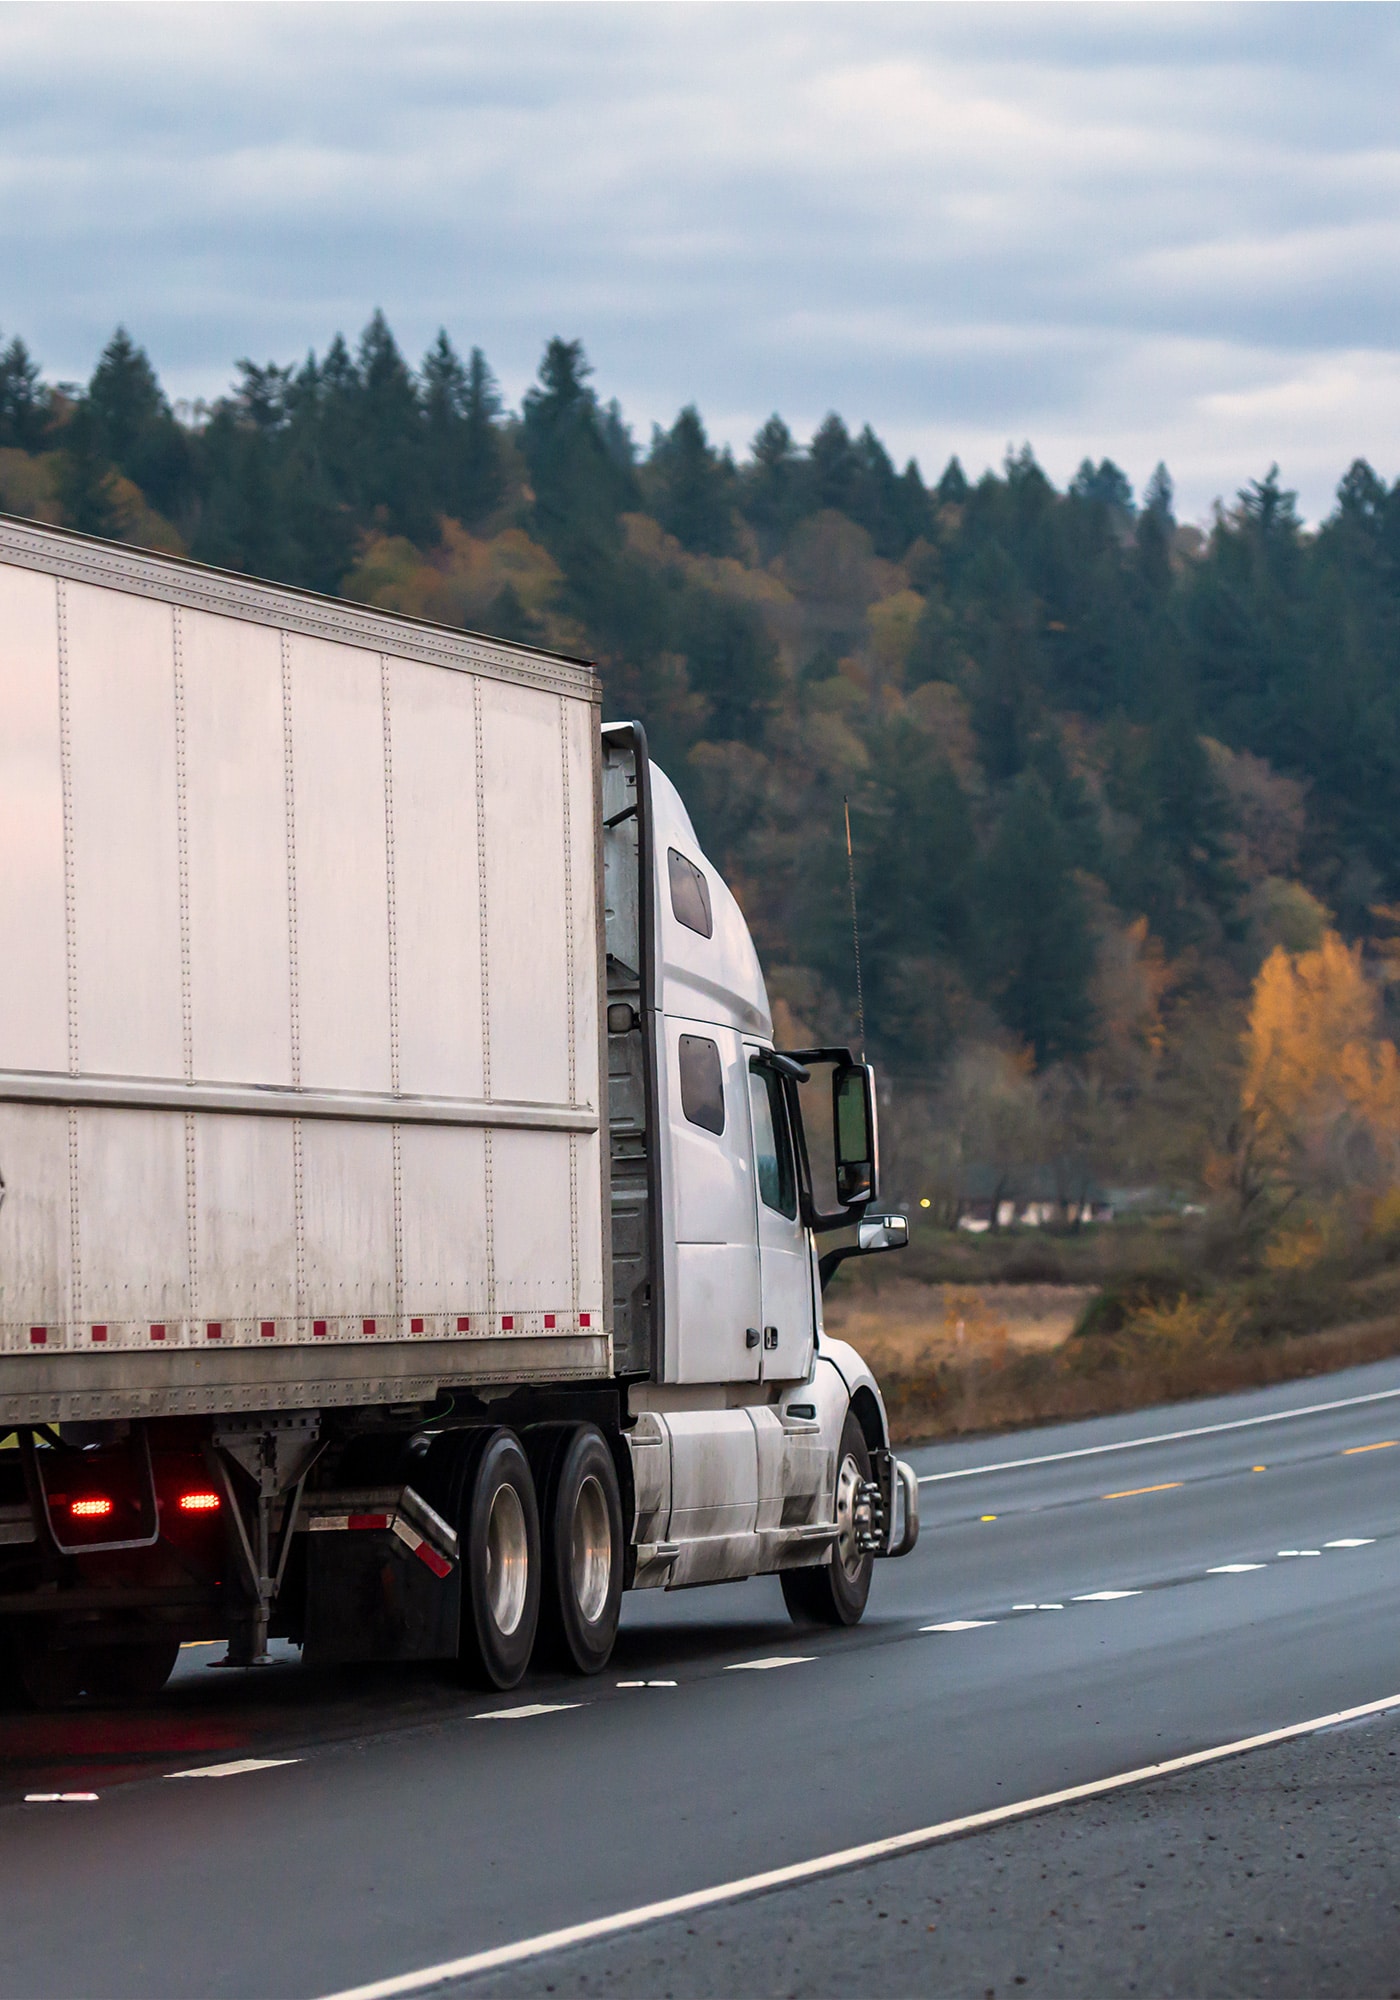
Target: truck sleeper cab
{"x":426,"y":1325}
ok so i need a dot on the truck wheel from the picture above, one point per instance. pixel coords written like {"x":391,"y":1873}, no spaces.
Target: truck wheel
{"x":583,"y":1550}
{"x":835,"y":1593}
{"x":50,"y":1676}
{"x":132,"y":1673}
{"x":500,"y":1552}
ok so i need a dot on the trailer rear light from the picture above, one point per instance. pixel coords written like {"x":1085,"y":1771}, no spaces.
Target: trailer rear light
{"x":89,"y":1510}
{"x":199,"y":1503}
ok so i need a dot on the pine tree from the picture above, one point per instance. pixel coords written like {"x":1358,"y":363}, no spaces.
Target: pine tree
{"x":133,"y":425}
{"x":834,"y":467}
{"x":769,"y":486}
{"x":1036,"y":944}
{"x":24,"y":402}
{"x":690,"y":486}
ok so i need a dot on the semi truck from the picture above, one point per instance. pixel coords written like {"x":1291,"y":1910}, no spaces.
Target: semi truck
{"x":410,"y":1236}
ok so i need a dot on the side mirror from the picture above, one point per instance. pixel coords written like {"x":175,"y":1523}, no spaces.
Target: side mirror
{"x":853,"y":1121}
{"x":884,"y":1232}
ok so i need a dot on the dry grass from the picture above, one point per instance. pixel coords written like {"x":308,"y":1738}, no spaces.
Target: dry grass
{"x":1091,"y":1378}
{"x":907,"y":1327}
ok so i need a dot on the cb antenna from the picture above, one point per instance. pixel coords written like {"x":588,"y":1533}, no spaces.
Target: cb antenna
{"x":855,"y":925}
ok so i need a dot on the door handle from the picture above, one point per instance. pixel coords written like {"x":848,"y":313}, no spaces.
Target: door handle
{"x":770,"y":1337}
{"x":751,"y":1336}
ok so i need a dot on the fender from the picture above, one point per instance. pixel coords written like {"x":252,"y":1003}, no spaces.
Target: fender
{"x":890,"y":1472}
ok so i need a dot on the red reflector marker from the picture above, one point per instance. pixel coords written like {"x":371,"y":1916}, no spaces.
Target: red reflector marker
{"x":199,"y":1503}
{"x":157,"y":1333}
{"x":507,"y":1322}
{"x":372,"y":1522}
{"x":368,"y":1325}
{"x":464,"y":1325}
{"x":268,"y":1329}
{"x":99,"y":1333}
{"x":585,"y":1319}
{"x":318,"y":1328}
{"x":89,"y":1510}
{"x":549,"y":1319}
{"x":415,"y":1325}
{"x":38,"y":1335}
{"x":214,"y":1329}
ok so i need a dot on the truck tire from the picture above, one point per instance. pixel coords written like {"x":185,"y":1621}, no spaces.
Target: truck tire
{"x":132,"y":1673}
{"x":835,"y":1593}
{"x":499,"y":1540}
{"x":583,"y":1554}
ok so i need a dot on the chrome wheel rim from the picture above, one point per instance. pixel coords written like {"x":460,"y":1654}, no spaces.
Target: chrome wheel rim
{"x":590,"y":1555}
{"x":852,"y":1515}
{"x":507,"y":1559}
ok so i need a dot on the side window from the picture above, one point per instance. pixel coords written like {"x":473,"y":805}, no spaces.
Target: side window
{"x":777,"y":1183}
{"x":690,"y":894}
{"x":702,"y":1083}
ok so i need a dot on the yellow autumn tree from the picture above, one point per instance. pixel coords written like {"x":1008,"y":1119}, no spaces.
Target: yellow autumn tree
{"x":1320,"y":1098}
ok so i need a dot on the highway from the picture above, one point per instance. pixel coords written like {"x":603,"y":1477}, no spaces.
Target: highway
{"x":1084,"y":1602}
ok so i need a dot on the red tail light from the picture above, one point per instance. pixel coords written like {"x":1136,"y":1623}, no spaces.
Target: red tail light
{"x":199,"y":1503}
{"x":89,"y":1510}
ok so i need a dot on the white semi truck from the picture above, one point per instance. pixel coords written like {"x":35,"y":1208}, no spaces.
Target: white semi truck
{"x":409,"y":1232}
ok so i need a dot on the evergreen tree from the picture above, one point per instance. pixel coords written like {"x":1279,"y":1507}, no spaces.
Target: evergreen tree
{"x":1036,"y":945}
{"x":690,"y":485}
{"x":392,"y":459}
{"x":770,"y":485}
{"x":24,"y":403}
{"x":461,"y":409}
{"x":134,"y":428}
{"x":834,"y":467}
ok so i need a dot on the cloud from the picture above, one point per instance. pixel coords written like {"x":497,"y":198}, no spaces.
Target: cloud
{"x":1140,"y":231}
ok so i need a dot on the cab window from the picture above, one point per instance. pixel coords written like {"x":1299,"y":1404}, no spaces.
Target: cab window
{"x":777,"y":1183}
{"x":702,"y":1082}
{"x":690,"y":894}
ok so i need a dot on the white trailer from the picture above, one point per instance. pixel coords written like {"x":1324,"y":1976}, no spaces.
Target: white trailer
{"x":338,"y":1296}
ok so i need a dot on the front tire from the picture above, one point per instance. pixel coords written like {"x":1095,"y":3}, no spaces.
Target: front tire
{"x":583,"y":1551}
{"x":836,"y":1592}
{"x":499,"y":1540}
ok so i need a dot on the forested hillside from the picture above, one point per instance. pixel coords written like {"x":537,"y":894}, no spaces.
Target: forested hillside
{"x":1098,"y":762}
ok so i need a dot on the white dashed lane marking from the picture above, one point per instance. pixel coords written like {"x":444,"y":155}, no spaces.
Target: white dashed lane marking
{"x":60,"y":1798}
{"x":525,"y":1711}
{"x":1353,"y":1542}
{"x":1234,"y":1569}
{"x":236,"y":1768}
{"x":1105,"y":1596}
{"x":777,"y":1660}
{"x":959,"y":1625}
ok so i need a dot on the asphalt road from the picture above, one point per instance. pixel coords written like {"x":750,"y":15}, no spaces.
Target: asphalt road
{"x":1104,"y":1610}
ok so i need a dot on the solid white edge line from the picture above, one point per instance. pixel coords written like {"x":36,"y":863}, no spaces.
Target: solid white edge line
{"x":1166,"y":1437}
{"x":828,"y":1864}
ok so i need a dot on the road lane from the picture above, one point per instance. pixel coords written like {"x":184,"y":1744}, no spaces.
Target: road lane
{"x":410,"y":1832}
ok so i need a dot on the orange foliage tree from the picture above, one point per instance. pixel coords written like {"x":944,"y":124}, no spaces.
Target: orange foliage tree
{"x":1320,"y":1098}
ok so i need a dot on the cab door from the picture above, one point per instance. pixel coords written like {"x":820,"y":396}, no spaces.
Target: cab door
{"x":784,"y":1256}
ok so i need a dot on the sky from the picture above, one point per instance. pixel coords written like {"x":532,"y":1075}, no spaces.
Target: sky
{"x":1135,"y":231}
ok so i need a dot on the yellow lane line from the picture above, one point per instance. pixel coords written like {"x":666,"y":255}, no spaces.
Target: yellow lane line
{"x":1133,"y":1491}
{"x":1386,"y":1444}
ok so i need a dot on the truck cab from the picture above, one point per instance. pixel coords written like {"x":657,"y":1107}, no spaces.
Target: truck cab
{"x":729,"y":1159}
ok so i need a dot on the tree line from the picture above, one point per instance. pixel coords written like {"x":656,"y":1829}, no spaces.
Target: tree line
{"x":1100,"y":763}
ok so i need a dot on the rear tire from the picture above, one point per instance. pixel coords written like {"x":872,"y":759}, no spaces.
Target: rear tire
{"x":132,"y":1673}
{"x":499,"y":1539}
{"x":836,"y":1592}
{"x":583,"y":1551}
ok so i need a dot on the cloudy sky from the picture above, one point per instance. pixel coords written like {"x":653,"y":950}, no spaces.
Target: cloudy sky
{"x":1152,"y":233}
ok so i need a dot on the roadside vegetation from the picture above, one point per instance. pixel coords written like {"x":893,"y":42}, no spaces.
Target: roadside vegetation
{"x":1124,"y":790}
